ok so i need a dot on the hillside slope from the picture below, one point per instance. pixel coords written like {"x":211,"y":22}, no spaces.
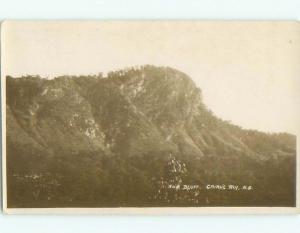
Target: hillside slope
{"x":127,"y":139}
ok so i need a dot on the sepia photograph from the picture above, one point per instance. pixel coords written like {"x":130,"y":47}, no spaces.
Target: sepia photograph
{"x":150,"y":116}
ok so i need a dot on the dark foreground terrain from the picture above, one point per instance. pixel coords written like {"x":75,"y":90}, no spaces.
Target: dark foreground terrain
{"x":139,"y":137}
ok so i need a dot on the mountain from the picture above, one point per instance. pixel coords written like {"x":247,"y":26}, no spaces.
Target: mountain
{"x":138,"y":137}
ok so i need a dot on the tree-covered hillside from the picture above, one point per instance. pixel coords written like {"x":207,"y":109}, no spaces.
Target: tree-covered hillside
{"x":138,"y":137}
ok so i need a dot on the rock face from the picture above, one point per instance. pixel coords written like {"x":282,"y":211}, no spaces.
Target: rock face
{"x":93,"y":141}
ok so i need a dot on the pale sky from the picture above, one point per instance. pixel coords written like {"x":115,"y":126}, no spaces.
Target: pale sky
{"x":249,"y":72}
